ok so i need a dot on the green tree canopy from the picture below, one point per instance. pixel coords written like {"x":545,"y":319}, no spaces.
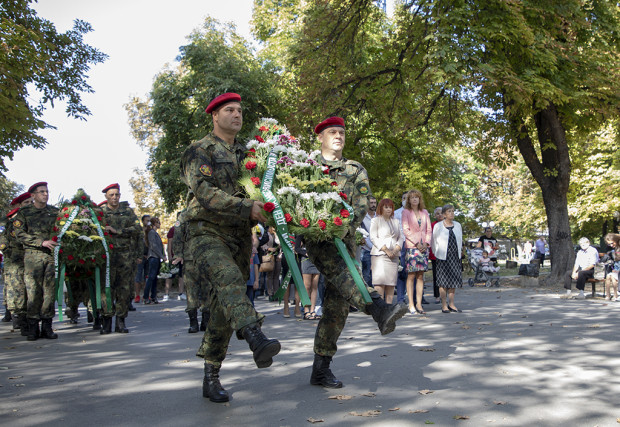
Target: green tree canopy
{"x":38,"y":63}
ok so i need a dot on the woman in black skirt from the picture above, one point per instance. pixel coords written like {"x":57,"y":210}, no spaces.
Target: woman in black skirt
{"x":446,"y":244}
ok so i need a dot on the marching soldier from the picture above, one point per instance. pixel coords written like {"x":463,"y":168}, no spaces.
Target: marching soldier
{"x":340,"y":289}
{"x":123,"y":227}
{"x":14,"y":287}
{"x":33,"y":228}
{"x":219,"y":222}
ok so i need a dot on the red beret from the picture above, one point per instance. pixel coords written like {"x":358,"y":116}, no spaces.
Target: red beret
{"x":111,"y":186}
{"x":328,"y":123}
{"x":21,"y":198}
{"x":13,"y":212}
{"x":34,"y":186}
{"x":221,"y":100}
{"x":102,"y":203}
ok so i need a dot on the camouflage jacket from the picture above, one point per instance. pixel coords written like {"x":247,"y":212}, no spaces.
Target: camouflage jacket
{"x":180,"y":236}
{"x":11,"y":249}
{"x":216,"y":205}
{"x":126,"y":223}
{"x":352,"y":180}
{"x":33,"y":226}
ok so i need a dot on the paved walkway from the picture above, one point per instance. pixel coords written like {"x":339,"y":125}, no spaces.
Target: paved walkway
{"x":514,"y":357}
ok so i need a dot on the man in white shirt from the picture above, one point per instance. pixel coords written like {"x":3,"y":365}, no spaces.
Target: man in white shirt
{"x":583,"y":269}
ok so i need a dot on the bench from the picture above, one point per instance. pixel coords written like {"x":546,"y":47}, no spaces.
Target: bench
{"x":594,"y":282}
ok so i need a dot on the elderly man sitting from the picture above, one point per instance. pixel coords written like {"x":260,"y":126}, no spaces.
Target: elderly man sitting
{"x":583,"y":269}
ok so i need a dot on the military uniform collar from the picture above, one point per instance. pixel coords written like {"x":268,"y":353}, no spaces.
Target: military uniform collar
{"x":334,"y":164}
{"x":232,"y":148}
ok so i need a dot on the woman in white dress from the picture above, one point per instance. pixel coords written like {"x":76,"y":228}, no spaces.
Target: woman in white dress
{"x":387,"y":241}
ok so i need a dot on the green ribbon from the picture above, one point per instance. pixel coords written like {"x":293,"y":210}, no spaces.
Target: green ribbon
{"x":344,"y":253}
{"x":282,"y":228}
{"x":59,"y":284}
{"x":283,"y":286}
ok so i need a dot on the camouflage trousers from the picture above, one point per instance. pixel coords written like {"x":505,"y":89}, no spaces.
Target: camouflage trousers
{"x":14,"y":287}
{"x":80,"y":293}
{"x":122,"y":271}
{"x":195,"y":289}
{"x":39,"y":280}
{"x":340,"y":293}
{"x":222,"y":268}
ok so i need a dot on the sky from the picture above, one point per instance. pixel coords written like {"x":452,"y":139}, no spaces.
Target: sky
{"x":140,"y":37}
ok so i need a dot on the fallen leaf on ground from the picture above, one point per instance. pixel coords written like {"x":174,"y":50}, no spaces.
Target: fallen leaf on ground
{"x":185,"y":361}
{"x":460,"y":417}
{"x":313,"y":421}
{"x":594,"y":326}
{"x":369,"y":394}
{"x":419,"y":411}
{"x":16,"y":377}
{"x":364,"y":364}
{"x":425,"y":391}
{"x":499,"y":402}
{"x":341,"y":397}
{"x":427,"y":349}
{"x":394,"y":409}
{"x":19,"y":385}
{"x":371,"y":413}
{"x":465,"y":327}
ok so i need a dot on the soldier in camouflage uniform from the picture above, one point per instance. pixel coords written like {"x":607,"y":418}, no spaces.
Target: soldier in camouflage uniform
{"x":33,"y":229}
{"x":340,"y":289}
{"x":14,"y":286}
{"x":195,"y":289}
{"x":219,"y":221}
{"x":123,"y":227}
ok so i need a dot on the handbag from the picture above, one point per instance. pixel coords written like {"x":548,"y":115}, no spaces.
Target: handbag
{"x":267,"y":264}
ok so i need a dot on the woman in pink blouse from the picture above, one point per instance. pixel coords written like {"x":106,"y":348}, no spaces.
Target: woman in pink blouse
{"x":418,"y":233}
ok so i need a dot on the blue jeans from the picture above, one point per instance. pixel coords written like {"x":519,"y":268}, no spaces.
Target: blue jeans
{"x":153,"y":266}
{"x":366,"y":272}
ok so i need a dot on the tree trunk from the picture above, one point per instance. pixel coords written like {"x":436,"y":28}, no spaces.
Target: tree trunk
{"x":552,"y":174}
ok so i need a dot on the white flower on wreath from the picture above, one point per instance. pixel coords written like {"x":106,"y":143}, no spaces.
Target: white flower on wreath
{"x":85,"y":238}
{"x":268,"y":121}
{"x":300,"y":165}
{"x":308,"y":196}
{"x":362,"y":231}
{"x":287,"y":190}
{"x":315,"y":155}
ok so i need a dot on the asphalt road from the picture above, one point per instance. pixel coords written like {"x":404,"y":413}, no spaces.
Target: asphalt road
{"x":514,"y":357}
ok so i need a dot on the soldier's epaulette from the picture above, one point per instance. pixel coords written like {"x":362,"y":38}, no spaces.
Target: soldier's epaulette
{"x":124,"y":204}
{"x":355,"y":164}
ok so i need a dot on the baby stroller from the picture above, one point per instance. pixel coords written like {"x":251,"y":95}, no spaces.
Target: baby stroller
{"x":489,"y":279}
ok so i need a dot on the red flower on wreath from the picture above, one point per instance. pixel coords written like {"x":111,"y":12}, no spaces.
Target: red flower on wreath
{"x":99,"y":218}
{"x":344,"y":196}
{"x":55,"y":238}
{"x":83,"y":197}
{"x":105,"y":233}
{"x":288,"y":217}
{"x":269,"y":207}
{"x":55,"y":228}
{"x":70,"y":257}
{"x":60,"y":251}
{"x":334,"y":183}
{"x":65,"y":209}
{"x":258,"y":138}
{"x":103,"y":256}
{"x":250,"y":165}
{"x":326,"y":170}
{"x":58,"y":219}
{"x":111,"y":246}
{"x":255,"y":180}
{"x":344,"y":213}
{"x":322,"y":224}
{"x":305,"y":223}
{"x":263,"y":129}
{"x":337,"y":221}
{"x":81,"y":261}
{"x":74,"y":202}
{"x":66,"y":215}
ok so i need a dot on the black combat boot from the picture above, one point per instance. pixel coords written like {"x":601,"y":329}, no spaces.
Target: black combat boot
{"x":89,"y":317}
{"x":97,"y":322}
{"x":211,"y":386}
{"x":7,"y":315}
{"x":131,"y":307}
{"x":106,"y":327}
{"x":33,"y":329}
{"x":205,"y":319}
{"x":73,"y":314}
{"x":23,"y":325}
{"x":120,"y":325}
{"x":385,"y":314}
{"x":321,"y":374}
{"x":262,"y":347}
{"x":17,"y":324}
{"x":193,"y":321}
{"x":46,"y":329}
